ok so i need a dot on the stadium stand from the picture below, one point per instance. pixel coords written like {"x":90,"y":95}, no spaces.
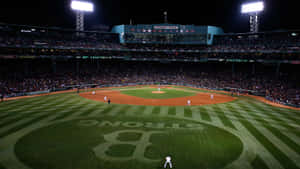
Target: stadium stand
{"x":64,"y":60}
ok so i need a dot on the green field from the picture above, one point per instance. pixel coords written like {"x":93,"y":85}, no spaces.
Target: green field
{"x":66,"y":131}
{"x":168,"y":93}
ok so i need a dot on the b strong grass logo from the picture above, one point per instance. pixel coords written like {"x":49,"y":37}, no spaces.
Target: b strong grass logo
{"x":140,"y":146}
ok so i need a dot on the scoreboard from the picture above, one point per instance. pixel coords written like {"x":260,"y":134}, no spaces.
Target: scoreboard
{"x":167,"y":34}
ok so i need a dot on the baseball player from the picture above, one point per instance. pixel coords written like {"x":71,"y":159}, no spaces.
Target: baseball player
{"x":2,"y":97}
{"x":108,"y":101}
{"x":93,"y":92}
{"x":189,"y":102}
{"x":211,"y":97}
{"x":105,"y":98}
{"x":168,"y":161}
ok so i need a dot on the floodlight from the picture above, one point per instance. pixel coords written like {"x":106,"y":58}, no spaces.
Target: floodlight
{"x":253,"y":7}
{"x":82,"y":6}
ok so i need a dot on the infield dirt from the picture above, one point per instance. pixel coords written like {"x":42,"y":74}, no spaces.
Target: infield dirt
{"x":118,"y":98}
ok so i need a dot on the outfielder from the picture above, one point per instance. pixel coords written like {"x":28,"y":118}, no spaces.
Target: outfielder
{"x":168,"y":161}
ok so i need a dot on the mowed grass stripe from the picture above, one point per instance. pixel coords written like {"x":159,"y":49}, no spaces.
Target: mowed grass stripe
{"x":148,"y":110}
{"x":27,"y":104}
{"x":4,"y":116}
{"x":188,"y":112}
{"x":52,"y":106}
{"x":108,"y":109}
{"x":22,"y":126}
{"x":13,"y":120}
{"x":265,"y":154}
{"x":290,"y":143}
{"x":284,"y":160}
{"x":140,"y":110}
{"x":172,"y":111}
{"x":69,"y":112}
{"x":282,"y":123}
{"x":68,"y":103}
{"x":156,"y":110}
{"x":123,"y":110}
{"x":286,"y":119}
{"x":203,"y":113}
{"x":272,"y":134}
{"x":223,"y":117}
{"x":250,"y":118}
{"x":179,"y":111}
{"x":17,"y":113}
{"x":65,"y":114}
{"x":214,"y":116}
{"x":286,"y":113}
{"x":16,"y":123}
{"x":89,"y":110}
{"x":23,"y":101}
{"x":258,"y":163}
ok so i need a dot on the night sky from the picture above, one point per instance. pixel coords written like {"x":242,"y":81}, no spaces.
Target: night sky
{"x":278,"y":15}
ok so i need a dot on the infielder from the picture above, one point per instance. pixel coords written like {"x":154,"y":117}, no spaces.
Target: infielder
{"x":211,"y":96}
{"x":189,"y":102}
{"x":93,"y":92}
{"x":168,"y":161}
{"x":105,"y":98}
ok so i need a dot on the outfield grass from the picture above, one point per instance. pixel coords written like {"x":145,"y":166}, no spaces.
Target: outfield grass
{"x":205,"y":147}
{"x":68,"y":131}
{"x":168,"y":93}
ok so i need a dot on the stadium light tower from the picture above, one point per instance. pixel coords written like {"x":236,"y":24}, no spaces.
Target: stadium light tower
{"x":81,"y":7}
{"x":253,"y":9}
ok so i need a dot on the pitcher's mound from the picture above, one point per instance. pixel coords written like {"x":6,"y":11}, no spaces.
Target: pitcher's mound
{"x":158,"y":92}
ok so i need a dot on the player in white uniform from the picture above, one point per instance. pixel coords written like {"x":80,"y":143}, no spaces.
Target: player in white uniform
{"x":189,"y":102}
{"x":105,"y":98}
{"x":168,"y":161}
{"x":93,"y":92}
{"x":211,"y":96}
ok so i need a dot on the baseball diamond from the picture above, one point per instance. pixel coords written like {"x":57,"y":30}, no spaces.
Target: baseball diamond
{"x":71,"y":130}
{"x":125,"y":90}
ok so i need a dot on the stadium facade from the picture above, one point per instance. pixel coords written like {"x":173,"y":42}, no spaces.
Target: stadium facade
{"x":167,"y":34}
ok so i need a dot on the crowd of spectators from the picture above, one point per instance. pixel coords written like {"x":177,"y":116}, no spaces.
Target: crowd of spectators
{"x":271,"y":42}
{"x":38,"y":40}
{"x":281,"y":88}
{"x":16,"y":41}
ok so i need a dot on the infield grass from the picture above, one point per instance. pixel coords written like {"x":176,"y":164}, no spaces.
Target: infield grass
{"x":168,"y":93}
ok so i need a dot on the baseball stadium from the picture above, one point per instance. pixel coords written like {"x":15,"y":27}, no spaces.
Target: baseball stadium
{"x":149,"y":96}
